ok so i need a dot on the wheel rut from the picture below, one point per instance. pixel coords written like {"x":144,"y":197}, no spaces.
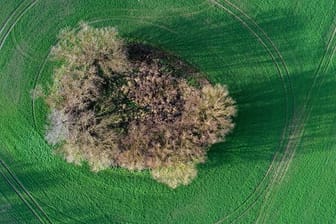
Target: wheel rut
{"x":23,"y":193}
{"x":295,"y":127}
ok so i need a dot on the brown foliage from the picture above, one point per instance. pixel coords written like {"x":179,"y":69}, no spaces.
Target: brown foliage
{"x":135,"y":111}
{"x":173,"y":176}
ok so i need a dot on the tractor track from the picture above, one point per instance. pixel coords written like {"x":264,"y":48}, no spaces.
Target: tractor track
{"x":322,"y":69}
{"x":283,"y":73}
{"x":23,"y":193}
{"x":10,"y":16}
{"x":139,"y":19}
{"x":173,"y":11}
{"x":5,"y":171}
{"x":307,"y":107}
{"x":15,"y":13}
{"x":20,"y":50}
{"x":19,"y":14}
{"x":36,"y":79}
{"x":20,"y":196}
{"x":296,"y":126}
{"x":31,"y":57}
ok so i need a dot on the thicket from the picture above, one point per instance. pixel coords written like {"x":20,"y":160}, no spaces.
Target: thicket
{"x":127,"y":105}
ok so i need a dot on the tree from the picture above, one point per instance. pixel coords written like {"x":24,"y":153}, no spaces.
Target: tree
{"x":114,"y":104}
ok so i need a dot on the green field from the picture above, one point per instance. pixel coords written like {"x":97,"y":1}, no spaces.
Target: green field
{"x":278,"y":165}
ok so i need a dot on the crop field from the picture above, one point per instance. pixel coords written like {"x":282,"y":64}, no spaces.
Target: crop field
{"x":277,"y":166}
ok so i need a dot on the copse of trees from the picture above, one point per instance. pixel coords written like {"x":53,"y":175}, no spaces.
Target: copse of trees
{"x":127,"y":105}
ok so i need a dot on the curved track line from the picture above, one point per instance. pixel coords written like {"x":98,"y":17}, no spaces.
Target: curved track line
{"x":10,"y":178}
{"x":322,"y":69}
{"x":288,"y":91}
{"x":20,"y":50}
{"x":30,"y":56}
{"x":324,"y":63}
{"x":23,"y":193}
{"x":307,"y":107}
{"x":13,"y":13}
{"x":139,"y":19}
{"x":44,"y":63}
{"x":266,"y":36}
{"x":16,"y":21}
{"x":37,"y":77}
{"x":20,"y":196}
{"x":173,"y":10}
{"x":295,"y":136}
{"x":274,"y":59}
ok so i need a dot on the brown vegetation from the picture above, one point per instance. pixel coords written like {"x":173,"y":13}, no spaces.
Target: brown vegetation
{"x":132,"y":106}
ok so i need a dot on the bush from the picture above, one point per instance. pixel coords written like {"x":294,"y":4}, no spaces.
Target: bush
{"x":123,"y":105}
{"x":176,"y":175}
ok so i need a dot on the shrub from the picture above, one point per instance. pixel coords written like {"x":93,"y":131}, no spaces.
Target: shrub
{"x":173,"y":176}
{"x":123,"y":105}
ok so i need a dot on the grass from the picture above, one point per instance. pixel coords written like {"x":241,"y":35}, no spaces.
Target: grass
{"x":286,"y":117}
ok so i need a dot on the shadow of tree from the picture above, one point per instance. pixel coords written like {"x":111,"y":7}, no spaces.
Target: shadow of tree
{"x":227,"y":53}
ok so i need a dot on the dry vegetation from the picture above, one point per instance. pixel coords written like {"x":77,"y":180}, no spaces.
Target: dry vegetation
{"x":130,"y":106}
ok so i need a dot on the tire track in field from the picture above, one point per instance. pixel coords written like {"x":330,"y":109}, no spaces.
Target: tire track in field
{"x":19,"y":195}
{"x":295,"y":118}
{"x":36,"y":79}
{"x":298,"y":123}
{"x":306,"y":109}
{"x":17,"y":15}
{"x":142,"y":18}
{"x":5,"y":171}
{"x":278,"y":66}
{"x":283,"y":73}
{"x":14,"y":13}
{"x":21,"y":51}
{"x":258,"y":38}
{"x":23,"y":193}
{"x":10,"y":16}
{"x":172,"y":13}
{"x":318,"y":80}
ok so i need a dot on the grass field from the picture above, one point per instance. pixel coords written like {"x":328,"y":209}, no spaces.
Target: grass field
{"x":279,"y":164}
